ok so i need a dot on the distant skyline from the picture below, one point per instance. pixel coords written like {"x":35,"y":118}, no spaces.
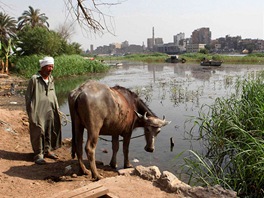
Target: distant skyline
{"x":133,"y":19}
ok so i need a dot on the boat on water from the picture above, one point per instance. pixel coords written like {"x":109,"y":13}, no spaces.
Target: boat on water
{"x":175,"y":59}
{"x":205,"y":62}
{"x":211,"y":63}
{"x":115,"y":64}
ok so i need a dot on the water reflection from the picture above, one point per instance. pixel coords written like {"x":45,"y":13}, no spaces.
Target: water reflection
{"x":174,"y":90}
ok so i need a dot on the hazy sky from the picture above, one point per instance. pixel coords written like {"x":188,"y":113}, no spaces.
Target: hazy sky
{"x":133,"y":19}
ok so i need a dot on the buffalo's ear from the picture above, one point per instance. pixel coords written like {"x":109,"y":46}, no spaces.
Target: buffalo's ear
{"x":165,"y":122}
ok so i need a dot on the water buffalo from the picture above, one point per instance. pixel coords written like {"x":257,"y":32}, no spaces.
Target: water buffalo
{"x":114,"y":111}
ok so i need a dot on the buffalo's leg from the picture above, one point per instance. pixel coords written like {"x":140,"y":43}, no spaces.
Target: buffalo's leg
{"x":90,"y":151}
{"x":115,"y":147}
{"x":79,"y":148}
{"x":126,"y":143}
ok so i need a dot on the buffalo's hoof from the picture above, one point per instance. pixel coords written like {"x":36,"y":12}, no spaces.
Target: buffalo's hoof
{"x":128,"y":166}
{"x":113,"y":165}
{"x":97,"y":178}
{"x":83,"y":172}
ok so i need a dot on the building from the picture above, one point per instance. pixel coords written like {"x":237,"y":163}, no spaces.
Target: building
{"x":91,"y":49}
{"x":194,"y":47}
{"x":158,"y":41}
{"x":201,"y":36}
{"x":150,"y":44}
{"x":177,"y":38}
{"x":116,"y":45}
{"x":124,"y":44}
{"x":168,"y":48}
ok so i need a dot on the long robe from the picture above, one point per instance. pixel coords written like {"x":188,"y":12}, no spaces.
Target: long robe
{"x":43,"y":112}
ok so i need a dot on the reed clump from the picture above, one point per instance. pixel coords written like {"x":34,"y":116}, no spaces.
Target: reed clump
{"x":232,"y":132}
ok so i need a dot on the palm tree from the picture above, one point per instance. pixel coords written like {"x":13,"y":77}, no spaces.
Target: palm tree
{"x":7,"y":33}
{"x":7,"y":27}
{"x":32,"y":18}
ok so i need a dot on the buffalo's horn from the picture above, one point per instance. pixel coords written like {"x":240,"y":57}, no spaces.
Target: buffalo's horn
{"x":138,"y":114}
{"x":145,"y":116}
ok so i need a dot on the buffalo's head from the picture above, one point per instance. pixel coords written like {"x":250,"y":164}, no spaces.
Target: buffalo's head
{"x":152,"y":126}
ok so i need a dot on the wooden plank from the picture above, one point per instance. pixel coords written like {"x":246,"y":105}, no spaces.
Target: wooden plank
{"x":95,"y":193}
{"x":109,"y":195}
{"x":60,"y":194}
{"x":92,"y":190}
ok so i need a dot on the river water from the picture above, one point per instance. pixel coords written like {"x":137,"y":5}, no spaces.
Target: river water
{"x":176,"y":91}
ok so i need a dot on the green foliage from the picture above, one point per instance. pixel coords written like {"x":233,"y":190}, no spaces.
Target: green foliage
{"x":204,"y":51}
{"x":216,"y":57}
{"x":248,"y":59}
{"x":39,"y":40}
{"x":195,"y":57}
{"x":152,"y":57}
{"x":256,"y":55}
{"x":76,"y":65}
{"x":7,"y":27}
{"x":64,"y":66}
{"x":232,"y":132}
{"x":72,"y":48}
{"x":32,"y":18}
{"x":7,"y":37}
{"x":27,"y":65}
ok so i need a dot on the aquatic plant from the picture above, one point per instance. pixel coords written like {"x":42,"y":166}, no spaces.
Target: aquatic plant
{"x":232,"y":133}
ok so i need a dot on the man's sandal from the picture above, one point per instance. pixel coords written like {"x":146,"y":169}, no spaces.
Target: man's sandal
{"x":40,"y":161}
{"x":51,"y":155}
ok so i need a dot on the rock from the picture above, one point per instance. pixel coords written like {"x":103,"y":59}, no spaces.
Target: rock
{"x":126,"y":172}
{"x":212,"y":192}
{"x":67,"y":142}
{"x":171,"y":182}
{"x":4,"y":76}
{"x":74,"y":175}
{"x":151,"y":173}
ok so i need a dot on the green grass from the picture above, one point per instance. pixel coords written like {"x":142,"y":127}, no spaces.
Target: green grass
{"x":248,"y":59}
{"x":148,"y":57}
{"x":257,"y":58}
{"x":232,"y":132}
{"x":64,"y":66}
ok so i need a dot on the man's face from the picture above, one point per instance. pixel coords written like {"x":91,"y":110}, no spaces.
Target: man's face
{"x":46,"y":70}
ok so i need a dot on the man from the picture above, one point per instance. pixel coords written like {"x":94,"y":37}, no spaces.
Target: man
{"x":43,"y":113}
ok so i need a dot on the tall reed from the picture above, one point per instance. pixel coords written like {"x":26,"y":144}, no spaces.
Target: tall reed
{"x":232,"y":133}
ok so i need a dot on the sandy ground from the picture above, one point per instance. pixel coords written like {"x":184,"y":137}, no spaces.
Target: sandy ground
{"x":21,"y":177}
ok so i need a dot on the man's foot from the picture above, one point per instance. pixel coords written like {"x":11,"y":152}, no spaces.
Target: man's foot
{"x":40,"y":161}
{"x":51,"y":155}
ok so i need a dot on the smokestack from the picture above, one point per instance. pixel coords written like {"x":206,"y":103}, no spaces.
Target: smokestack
{"x":153,"y":36}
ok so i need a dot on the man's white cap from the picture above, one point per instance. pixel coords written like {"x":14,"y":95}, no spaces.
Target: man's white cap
{"x":46,"y":61}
